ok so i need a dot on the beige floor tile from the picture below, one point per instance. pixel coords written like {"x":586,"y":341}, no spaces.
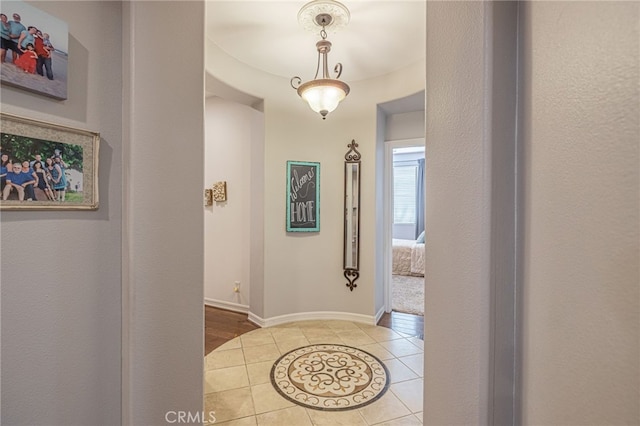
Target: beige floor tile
{"x":294,"y":416}
{"x":410,"y":393}
{"x":326,"y":339}
{"x":355,"y":337}
{"x":294,"y":324}
{"x":288,"y":345}
{"x":342,"y":325}
{"x":346,"y":418}
{"x":259,"y":372}
{"x":312,"y":333}
{"x":377,"y":350}
{"x":416,"y":341}
{"x":242,"y":394}
{"x":261,"y":353}
{"x":312,"y":324}
{"x":231,"y":404}
{"x":266,"y":398}
{"x":402,"y":421}
{"x":381,"y":334}
{"x":398,"y":371}
{"x":223,"y":359}
{"x":280,"y":334}
{"x":256,"y":338}
{"x":414,"y":362}
{"x":231,"y":344}
{"x":387,"y":408}
{"x":245,"y":421}
{"x":401,"y":347}
{"x":226,"y":378}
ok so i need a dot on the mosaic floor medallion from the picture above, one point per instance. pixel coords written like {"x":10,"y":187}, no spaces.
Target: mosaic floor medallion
{"x":330,"y":377}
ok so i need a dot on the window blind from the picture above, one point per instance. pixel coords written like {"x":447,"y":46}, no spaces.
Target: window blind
{"x":404,"y":193}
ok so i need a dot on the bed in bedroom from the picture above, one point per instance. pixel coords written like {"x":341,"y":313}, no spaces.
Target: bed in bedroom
{"x":408,"y":258}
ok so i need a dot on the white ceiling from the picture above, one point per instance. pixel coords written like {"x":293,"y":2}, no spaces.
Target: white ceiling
{"x":382,"y":37}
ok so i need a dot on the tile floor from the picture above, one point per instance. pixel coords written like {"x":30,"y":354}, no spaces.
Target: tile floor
{"x":239,"y":391}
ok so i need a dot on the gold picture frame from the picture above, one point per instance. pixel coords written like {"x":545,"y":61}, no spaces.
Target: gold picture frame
{"x":68,"y":156}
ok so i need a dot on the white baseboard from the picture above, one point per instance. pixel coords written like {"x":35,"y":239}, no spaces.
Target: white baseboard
{"x":301,"y":316}
{"x":256,"y":320}
{"x":229,"y":306}
{"x":307,"y":316}
{"x":379,"y":315}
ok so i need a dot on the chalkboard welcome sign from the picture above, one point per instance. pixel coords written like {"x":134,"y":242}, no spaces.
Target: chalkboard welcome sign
{"x":303,"y":196}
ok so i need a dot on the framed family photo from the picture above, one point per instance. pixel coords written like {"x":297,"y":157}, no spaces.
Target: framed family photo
{"x":34,"y":49}
{"x":46,"y":166}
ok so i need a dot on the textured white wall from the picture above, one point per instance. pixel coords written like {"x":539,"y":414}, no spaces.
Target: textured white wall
{"x":233,"y":135}
{"x":164,"y":244}
{"x":407,"y":125}
{"x":61,"y":270}
{"x":457,"y":216}
{"x":580,"y":129}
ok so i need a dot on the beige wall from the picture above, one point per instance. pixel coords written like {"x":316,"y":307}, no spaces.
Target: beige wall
{"x":458,"y":178}
{"x":577,"y":210}
{"x":580,"y":132}
{"x":234,"y":152}
{"x":163,"y":270}
{"x":61,"y":270}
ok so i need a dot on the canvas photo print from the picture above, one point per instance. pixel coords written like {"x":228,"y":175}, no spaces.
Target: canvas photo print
{"x":34,"y":52}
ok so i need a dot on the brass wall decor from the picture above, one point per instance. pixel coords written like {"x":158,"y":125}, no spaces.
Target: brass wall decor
{"x":220,"y":191}
{"x":351,"y":259}
{"x":208,"y":197}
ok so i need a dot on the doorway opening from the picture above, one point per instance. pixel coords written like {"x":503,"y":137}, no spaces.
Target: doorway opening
{"x":405,"y":226}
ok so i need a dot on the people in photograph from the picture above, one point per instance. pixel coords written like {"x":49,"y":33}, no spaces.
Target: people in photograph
{"x":37,"y":159}
{"x":58,"y":178}
{"x":29,"y":190}
{"x":42,"y":180}
{"x":58,"y":153}
{"x":43,"y":49}
{"x":17,"y":181}
{"x":28,"y":60}
{"x":7,"y":43}
{"x":5,"y":167}
{"x":47,"y":42}
{"x":16,"y":29}
{"x":27,"y":36}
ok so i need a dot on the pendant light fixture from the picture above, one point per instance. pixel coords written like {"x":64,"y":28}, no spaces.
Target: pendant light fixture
{"x":323,"y":94}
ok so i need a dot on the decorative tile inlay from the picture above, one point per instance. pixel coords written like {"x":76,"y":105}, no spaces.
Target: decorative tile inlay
{"x":330,"y":377}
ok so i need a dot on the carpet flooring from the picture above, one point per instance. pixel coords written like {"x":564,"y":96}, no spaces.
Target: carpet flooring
{"x":407,"y":294}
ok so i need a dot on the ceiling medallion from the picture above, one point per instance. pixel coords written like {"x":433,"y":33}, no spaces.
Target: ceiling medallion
{"x":339,"y":14}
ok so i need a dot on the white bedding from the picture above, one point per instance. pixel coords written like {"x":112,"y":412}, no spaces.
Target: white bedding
{"x":408,"y":257}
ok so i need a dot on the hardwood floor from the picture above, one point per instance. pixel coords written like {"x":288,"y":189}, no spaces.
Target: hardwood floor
{"x":404,"y":323}
{"x":221,"y":325}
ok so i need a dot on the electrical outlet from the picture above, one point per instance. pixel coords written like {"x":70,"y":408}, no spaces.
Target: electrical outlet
{"x":236,"y":287}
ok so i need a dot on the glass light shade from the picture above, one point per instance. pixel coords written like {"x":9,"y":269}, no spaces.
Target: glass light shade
{"x":323,"y":95}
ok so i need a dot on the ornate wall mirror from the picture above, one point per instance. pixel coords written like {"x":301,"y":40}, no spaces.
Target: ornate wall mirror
{"x":352,"y":215}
